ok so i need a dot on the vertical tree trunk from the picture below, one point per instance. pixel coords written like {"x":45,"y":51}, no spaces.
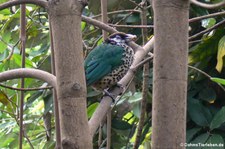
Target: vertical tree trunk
{"x":170,"y":73}
{"x":65,"y":18}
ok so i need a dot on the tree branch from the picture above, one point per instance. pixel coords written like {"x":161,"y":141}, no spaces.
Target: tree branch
{"x":8,"y":4}
{"x":207,"y":30}
{"x":99,"y":24}
{"x":26,"y":89}
{"x":28,"y":73}
{"x":131,"y":26}
{"x":208,"y":6}
{"x":206,"y":16}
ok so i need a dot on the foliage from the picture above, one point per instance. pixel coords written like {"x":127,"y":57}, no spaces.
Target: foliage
{"x":206,"y":104}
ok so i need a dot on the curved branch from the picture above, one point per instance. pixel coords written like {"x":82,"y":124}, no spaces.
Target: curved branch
{"x":8,"y":4}
{"x":28,"y":73}
{"x":208,"y":6}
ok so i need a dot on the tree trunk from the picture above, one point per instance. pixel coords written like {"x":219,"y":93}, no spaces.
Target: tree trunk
{"x":65,"y":18}
{"x":170,"y":73}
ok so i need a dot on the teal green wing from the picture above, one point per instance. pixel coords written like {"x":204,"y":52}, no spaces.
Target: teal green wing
{"x":101,"y":61}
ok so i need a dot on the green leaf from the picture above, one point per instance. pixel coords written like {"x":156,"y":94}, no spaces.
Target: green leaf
{"x":207,"y":94}
{"x":190,"y":133}
{"x":218,"y":119}
{"x":17,"y":58}
{"x":198,"y":113}
{"x":215,"y":139}
{"x":220,"y":54}
{"x":91,"y":109}
{"x":207,"y":23}
{"x":120,"y":124}
{"x":4,"y":41}
{"x":218,"y":80}
{"x":200,"y":139}
{"x":83,"y":25}
{"x":4,"y":98}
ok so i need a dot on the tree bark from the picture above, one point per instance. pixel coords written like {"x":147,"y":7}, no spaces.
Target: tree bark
{"x":170,"y":73}
{"x":65,"y":18}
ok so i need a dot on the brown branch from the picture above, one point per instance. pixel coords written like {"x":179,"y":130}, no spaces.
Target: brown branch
{"x":132,"y":26}
{"x":146,"y":74}
{"x":23,"y":61}
{"x":28,"y":73}
{"x":208,"y":6}
{"x":99,"y":24}
{"x":118,"y":11}
{"x":8,"y":4}
{"x":55,"y":98}
{"x":206,"y":16}
{"x":207,"y":30}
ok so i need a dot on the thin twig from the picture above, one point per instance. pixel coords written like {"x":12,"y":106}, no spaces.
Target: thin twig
{"x":12,"y":50}
{"x":115,"y":12}
{"x":22,"y":81}
{"x":26,"y":89}
{"x":205,"y":74}
{"x":206,"y":16}
{"x":131,"y":26}
{"x":7,"y":112}
{"x":146,"y":74}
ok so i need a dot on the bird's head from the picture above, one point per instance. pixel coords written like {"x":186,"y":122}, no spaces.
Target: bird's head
{"x":120,"y":38}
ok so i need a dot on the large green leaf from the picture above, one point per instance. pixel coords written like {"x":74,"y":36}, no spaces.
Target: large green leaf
{"x":220,"y":54}
{"x":17,"y":59}
{"x":218,"y":119}
{"x":4,"y":41}
{"x":120,"y":124}
{"x":199,"y":113}
{"x":200,"y":139}
{"x":215,"y":142}
{"x":190,"y":133}
{"x":207,"y":49}
{"x":207,"y":94}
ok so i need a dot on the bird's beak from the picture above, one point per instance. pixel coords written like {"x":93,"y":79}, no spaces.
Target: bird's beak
{"x":131,"y":37}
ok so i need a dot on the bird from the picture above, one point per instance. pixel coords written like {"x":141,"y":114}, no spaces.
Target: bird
{"x":107,"y":63}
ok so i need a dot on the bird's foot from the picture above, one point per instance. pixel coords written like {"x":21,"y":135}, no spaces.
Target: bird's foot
{"x":107,"y":93}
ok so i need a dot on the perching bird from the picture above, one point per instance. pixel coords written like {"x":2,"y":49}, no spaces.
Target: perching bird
{"x":106,"y":64}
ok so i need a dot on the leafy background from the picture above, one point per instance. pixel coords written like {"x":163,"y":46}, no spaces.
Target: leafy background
{"x":206,"y":103}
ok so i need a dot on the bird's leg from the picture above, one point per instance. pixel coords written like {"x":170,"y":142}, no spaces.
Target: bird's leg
{"x":107,"y":93}
{"x":113,"y":97}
